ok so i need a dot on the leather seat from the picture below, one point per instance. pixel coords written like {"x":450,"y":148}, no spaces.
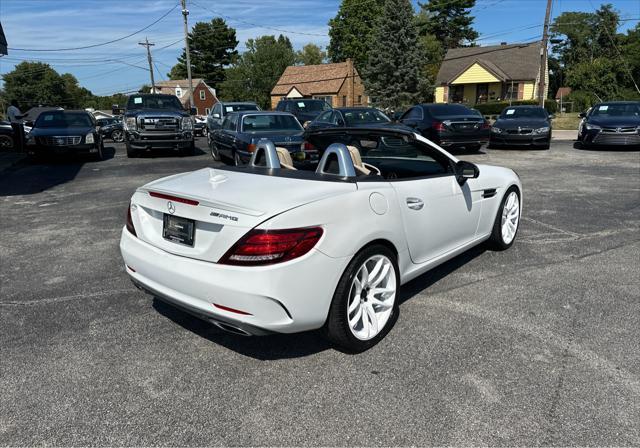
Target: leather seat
{"x":285,"y":158}
{"x":359,"y":165}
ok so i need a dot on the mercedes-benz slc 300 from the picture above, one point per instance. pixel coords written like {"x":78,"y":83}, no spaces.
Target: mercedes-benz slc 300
{"x":267,"y":248}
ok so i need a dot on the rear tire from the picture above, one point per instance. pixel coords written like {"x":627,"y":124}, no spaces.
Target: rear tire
{"x":189,"y":150}
{"x":475,"y":148}
{"x":507,"y":221}
{"x":215,"y":154}
{"x":237,"y":161}
{"x":360,"y":317}
{"x":100,"y":155}
{"x":6,"y":142}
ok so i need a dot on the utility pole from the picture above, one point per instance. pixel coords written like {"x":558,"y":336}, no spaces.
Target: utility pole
{"x":148,"y":45}
{"x":543,"y":54}
{"x":185,"y":13}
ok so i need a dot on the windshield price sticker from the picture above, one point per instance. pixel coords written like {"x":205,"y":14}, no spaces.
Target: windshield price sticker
{"x":229,"y":108}
{"x":137,"y":100}
{"x":511,"y":111}
{"x":300,"y":104}
{"x":603,"y":107}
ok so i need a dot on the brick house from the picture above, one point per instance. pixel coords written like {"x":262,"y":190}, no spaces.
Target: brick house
{"x":204,"y":96}
{"x":339,"y":84}
{"x":473,"y":75}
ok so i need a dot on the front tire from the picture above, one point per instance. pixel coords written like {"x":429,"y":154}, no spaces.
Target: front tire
{"x":131,"y":153}
{"x":100,"y":155}
{"x":237,"y":161}
{"x":365,"y":305}
{"x":215,"y":153}
{"x":6,"y":142}
{"x":507,"y":222}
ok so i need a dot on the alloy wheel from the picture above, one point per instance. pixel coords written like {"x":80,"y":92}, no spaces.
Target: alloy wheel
{"x":117,"y":136}
{"x":6,"y":142}
{"x":510,"y":217}
{"x":371,"y":297}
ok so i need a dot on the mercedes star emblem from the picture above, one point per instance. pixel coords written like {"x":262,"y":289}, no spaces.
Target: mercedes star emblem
{"x":171,"y":207}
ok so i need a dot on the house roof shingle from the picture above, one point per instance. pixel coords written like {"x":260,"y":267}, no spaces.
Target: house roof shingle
{"x":312,"y":79}
{"x":509,"y":62}
{"x":562,"y":92}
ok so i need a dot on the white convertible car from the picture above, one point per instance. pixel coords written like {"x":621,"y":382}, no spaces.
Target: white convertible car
{"x":267,"y":248}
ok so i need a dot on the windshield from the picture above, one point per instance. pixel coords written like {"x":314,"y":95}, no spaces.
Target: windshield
{"x":239,"y":107}
{"x":617,"y":110}
{"x":154,"y":102}
{"x":60,"y":119}
{"x":446,"y":110}
{"x":262,"y":123}
{"x":523,"y":112}
{"x":363,"y":116}
{"x":312,"y":106}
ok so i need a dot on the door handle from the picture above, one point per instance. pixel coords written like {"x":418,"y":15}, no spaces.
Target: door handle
{"x":415,"y":203}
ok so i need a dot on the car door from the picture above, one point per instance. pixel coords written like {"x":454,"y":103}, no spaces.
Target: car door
{"x":224,"y":137}
{"x":214,"y":121}
{"x":439,"y":214}
{"x":323,"y":121}
{"x":413,"y":118}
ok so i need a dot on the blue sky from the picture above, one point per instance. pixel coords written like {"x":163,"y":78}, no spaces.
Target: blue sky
{"x":47,"y":24}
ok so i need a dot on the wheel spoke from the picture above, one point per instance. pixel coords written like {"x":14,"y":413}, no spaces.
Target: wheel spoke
{"x":354,"y":304}
{"x":382,"y":276}
{"x":364,"y":279}
{"x":354,"y":320}
{"x":375,"y":291}
{"x":373,"y":319}
{"x":366,"y":326}
{"x":374,"y":272}
{"x":380,"y":303}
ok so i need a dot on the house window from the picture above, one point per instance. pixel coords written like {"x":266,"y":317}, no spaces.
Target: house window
{"x":512,"y":91}
{"x":178,"y":92}
{"x":206,"y":111}
{"x":344,"y":101}
{"x":203,"y":95}
{"x":456,"y":94}
{"x":327,"y":99}
{"x":359,"y":100}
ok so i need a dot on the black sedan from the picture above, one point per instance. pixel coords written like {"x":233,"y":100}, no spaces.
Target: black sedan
{"x":241,"y":131}
{"x":64,"y":131}
{"x":615,"y":123}
{"x":448,"y":125}
{"x":353,"y":117}
{"x":114,"y":131}
{"x":522,"y":126}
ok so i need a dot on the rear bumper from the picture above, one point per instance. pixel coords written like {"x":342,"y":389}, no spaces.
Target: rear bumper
{"x":283,"y":298}
{"x":142,"y":140}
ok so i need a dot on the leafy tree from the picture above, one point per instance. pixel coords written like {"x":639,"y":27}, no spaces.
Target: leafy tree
{"x":351,"y":30}
{"x":258,"y":69}
{"x":598,"y":77}
{"x":450,"y":21}
{"x":212,"y":48}
{"x":311,"y":54}
{"x":36,"y":83}
{"x":77,"y":97}
{"x":392,"y":76}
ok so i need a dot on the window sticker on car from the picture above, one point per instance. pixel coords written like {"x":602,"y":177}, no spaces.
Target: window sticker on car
{"x":511,"y":111}
{"x":48,"y":118}
{"x":137,"y":100}
{"x":603,"y":107}
{"x":300,"y":104}
{"x":228,"y":108}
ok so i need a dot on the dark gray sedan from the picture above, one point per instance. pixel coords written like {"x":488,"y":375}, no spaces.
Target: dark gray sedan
{"x":238,"y":137}
{"x":522,"y":126}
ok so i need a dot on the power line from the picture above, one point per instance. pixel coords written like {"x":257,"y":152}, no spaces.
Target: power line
{"x":103,"y":43}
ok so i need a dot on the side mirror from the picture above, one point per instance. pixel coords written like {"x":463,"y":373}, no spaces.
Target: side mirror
{"x":466,"y":170}
{"x":193,"y":111}
{"x":215,"y":115}
{"x":582,"y":115}
{"x":552,"y":116}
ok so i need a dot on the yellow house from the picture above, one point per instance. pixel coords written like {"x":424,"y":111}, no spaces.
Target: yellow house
{"x":473,"y":75}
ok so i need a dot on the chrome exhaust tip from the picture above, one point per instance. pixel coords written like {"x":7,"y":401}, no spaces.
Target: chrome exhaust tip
{"x":230,"y":328}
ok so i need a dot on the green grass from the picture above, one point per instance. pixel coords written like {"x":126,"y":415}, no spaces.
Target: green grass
{"x":566,"y":121}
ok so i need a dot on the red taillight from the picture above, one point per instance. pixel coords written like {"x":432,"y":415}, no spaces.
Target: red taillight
{"x":251,"y":147}
{"x":308,"y":147}
{"x":130,"y":227}
{"x":232,"y":310}
{"x":171,"y":197}
{"x":261,"y":247}
{"x":437,"y":126}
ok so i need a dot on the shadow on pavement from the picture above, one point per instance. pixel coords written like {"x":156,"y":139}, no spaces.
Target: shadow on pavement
{"x":43,"y":174}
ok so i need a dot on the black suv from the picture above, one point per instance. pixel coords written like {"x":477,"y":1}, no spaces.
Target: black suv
{"x":157,"y":121}
{"x":449,"y":125}
{"x":303,"y":109}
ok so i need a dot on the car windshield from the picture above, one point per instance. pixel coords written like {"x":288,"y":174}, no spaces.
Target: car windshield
{"x":60,"y":119}
{"x":447,"y":110}
{"x":364,"y":116}
{"x":268,"y":122}
{"x":153,"y":102}
{"x":523,"y":112}
{"x":312,"y":106}
{"x":239,"y":107}
{"x":616,"y":110}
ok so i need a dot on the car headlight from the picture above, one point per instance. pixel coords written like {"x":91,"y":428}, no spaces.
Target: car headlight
{"x":496,"y":130}
{"x":591,"y":127}
{"x":542,"y":130}
{"x":130,"y":123}
{"x":31,"y":140}
{"x":187,"y":124}
{"x":89,"y":138}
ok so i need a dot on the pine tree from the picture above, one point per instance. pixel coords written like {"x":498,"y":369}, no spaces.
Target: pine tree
{"x":392,"y":76}
{"x":448,"y":20}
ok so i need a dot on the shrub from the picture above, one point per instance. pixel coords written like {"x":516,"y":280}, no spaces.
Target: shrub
{"x":497,"y":107}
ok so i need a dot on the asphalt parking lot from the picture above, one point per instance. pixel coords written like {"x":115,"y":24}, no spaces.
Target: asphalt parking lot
{"x":538,"y":345}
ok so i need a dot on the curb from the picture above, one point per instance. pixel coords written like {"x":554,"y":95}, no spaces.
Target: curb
{"x":560,"y":134}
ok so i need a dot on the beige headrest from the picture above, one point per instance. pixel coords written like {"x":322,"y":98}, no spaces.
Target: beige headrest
{"x":357,"y":160}
{"x":285,"y":158}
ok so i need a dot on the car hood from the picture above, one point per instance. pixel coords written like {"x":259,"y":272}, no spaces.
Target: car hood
{"x":156,"y":113}
{"x":45,"y":132}
{"x":515,"y":123}
{"x":615,"y":121}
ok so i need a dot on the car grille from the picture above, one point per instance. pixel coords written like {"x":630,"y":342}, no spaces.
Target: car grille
{"x":163,"y":124}
{"x":520,"y":131}
{"x":606,"y":138}
{"x":620,"y":130}
{"x":63,"y":140}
